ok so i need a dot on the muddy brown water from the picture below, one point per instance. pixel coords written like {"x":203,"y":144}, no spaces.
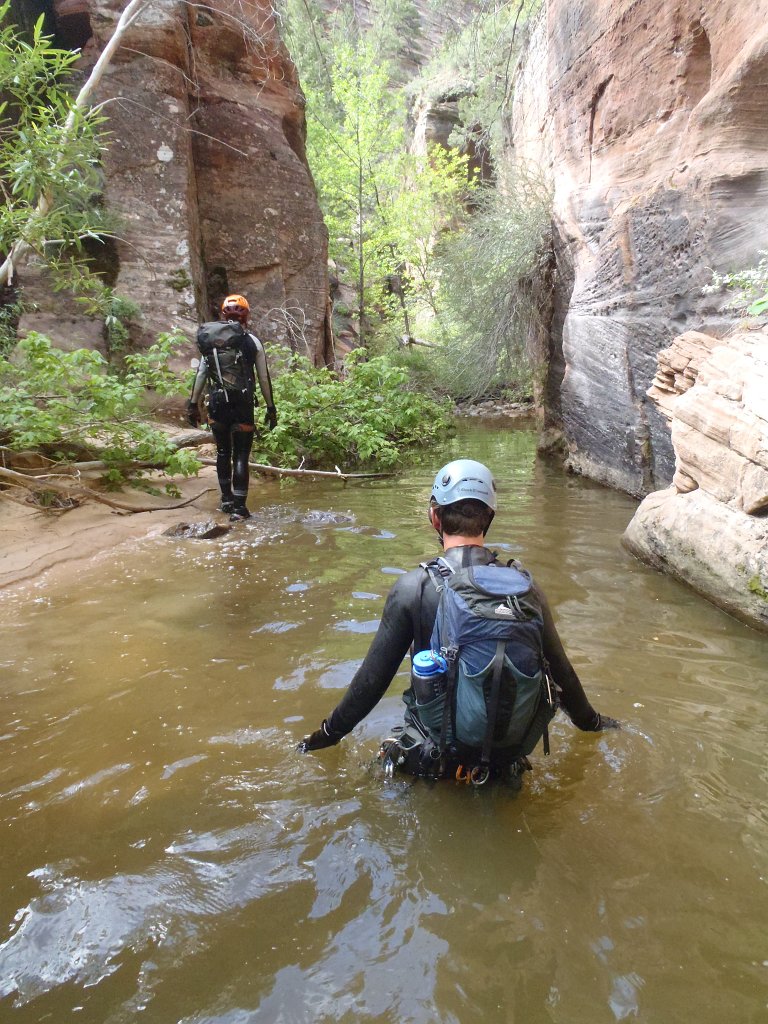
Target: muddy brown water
{"x":167,"y":855}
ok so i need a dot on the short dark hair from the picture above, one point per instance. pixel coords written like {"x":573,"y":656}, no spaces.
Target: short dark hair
{"x":466,"y":518}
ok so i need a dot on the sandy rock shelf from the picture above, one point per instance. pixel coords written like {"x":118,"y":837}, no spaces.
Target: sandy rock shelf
{"x":36,"y":544}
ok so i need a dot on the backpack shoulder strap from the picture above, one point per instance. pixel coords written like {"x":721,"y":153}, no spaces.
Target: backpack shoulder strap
{"x":418,"y":643}
{"x":438,"y":571}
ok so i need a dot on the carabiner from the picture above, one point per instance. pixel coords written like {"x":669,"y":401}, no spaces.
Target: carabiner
{"x":479,"y":775}
{"x":462,"y":775}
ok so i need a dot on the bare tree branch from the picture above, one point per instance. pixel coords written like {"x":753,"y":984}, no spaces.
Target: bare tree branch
{"x":38,"y":483}
{"x":278,"y":471}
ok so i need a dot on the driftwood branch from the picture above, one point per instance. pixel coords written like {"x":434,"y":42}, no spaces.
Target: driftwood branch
{"x":36,"y":483}
{"x":278,"y":471}
{"x":192,"y":439}
{"x":406,"y":340}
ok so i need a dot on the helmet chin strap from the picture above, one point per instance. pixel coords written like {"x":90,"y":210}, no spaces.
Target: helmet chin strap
{"x":434,"y":519}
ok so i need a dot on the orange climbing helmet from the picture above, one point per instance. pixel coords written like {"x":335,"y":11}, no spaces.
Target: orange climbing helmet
{"x":235,"y":307}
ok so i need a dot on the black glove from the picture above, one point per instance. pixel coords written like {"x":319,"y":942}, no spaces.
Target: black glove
{"x":318,"y":740}
{"x":270,"y":417}
{"x":604,"y":722}
{"x":193,"y":413}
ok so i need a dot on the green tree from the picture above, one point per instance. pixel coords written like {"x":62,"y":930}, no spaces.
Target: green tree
{"x":355,"y":145}
{"x":384,"y":206}
{"x":49,"y":143}
{"x":66,"y":405}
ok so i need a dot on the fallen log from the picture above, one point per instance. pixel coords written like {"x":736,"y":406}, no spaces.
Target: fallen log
{"x":192,"y":439}
{"x":280,"y":471}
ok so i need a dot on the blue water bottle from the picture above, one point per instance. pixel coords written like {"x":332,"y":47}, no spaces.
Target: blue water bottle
{"x":428,"y":676}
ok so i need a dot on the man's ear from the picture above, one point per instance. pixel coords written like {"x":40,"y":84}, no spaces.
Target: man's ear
{"x":434,"y":516}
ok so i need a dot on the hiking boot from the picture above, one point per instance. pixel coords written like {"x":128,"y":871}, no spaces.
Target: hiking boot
{"x":239,"y":512}
{"x":227,"y":505}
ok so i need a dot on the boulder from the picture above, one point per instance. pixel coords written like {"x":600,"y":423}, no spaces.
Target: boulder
{"x":207,"y":529}
{"x":710,"y":529}
{"x":719,"y":552}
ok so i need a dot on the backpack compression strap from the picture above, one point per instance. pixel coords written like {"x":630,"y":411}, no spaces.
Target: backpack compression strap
{"x":215,"y":355}
{"x":493,"y":703}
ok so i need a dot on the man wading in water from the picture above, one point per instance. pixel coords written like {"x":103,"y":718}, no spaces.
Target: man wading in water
{"x":231,"y":358}
{"x":493,"y":669}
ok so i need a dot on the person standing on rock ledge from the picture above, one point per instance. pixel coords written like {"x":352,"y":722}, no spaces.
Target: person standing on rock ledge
{"x":231,"y":359}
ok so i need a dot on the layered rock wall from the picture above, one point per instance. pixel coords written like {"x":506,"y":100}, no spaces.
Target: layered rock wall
{"x":651,"y":118}
{"x":205,"y":170}
{"x":710,"y":528}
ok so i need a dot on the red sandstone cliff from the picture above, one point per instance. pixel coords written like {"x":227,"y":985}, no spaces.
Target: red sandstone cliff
{"x":205,"y":170}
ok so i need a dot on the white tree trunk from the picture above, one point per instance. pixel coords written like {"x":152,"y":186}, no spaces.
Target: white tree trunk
{"x":21,"y":248}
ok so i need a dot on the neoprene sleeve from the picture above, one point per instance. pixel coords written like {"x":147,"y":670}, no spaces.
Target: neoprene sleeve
{"x":411,"y":606}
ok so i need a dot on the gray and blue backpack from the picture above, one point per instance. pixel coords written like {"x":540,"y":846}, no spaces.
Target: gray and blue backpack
{"x":498,"y":699}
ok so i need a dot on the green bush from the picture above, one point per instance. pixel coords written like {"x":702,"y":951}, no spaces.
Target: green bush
{"x":66,"y":404}
{"x":750,"y":284}
{"x":485,"y":292}
{"x":368,"y":417}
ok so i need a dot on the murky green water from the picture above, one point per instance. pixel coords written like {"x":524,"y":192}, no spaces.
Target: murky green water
{"x":168,"y":856}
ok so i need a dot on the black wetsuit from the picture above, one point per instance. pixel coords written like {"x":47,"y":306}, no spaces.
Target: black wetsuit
{"x":232,"y":418}
{"x":408,"y":617}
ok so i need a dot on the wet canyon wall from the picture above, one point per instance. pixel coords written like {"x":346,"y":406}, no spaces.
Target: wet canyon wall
{"x":205,"y":172}
{"x":651,"y":120}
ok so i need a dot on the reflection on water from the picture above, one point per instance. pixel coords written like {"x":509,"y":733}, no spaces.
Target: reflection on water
{"x":167,"y":852}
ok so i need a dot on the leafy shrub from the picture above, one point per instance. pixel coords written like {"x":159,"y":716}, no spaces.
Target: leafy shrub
{"x":486,"y":311}
{"x":66,"y":403}
{"x":749,"y":284}
{"x":367,"y":417}
{"x":49,"y":150}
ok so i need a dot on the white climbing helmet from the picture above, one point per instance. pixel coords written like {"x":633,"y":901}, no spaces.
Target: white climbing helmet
{"x":464,"y":478}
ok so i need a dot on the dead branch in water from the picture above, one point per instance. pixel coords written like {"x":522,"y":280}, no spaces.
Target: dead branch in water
{"x":279,"y":471}
{"x":49,"y":483}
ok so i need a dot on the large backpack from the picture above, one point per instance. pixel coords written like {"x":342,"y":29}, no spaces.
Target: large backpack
{"x":221,"y":342}
{"x":498,"y":699}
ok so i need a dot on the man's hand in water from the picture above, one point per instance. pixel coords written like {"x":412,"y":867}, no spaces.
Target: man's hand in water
{"x":322,"y":737}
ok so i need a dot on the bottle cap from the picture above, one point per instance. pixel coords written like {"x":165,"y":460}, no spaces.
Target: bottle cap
{"x":428,"y":663}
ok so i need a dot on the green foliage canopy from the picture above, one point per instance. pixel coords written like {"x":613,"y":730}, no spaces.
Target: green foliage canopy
{"x":65,"y":403}
{"x":49,"y":149}
{"x":384,"y":205}
{"x":367,"y":417}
